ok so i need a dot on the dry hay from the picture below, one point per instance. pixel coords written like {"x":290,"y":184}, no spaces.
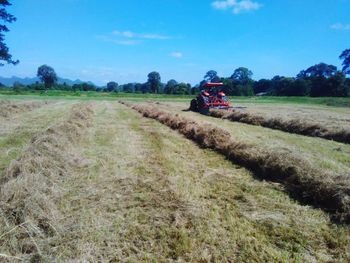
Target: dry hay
{"x":302,"y":181}
{"x":292,"y":126}
{"x":9,"y":108}
{"x":30,"y":187}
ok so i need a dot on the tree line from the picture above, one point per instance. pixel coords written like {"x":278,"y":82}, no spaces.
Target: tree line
{"x":320,"y":80}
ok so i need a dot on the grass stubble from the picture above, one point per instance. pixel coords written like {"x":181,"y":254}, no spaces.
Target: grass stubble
{"x":296,"y":126}
{"x":302,"y":180}
{"x":149,"y":195}
{"x":9,"y":108}
{"x":122,"y":188}
{"x":16,"y":131}
{"x":30,"y":186}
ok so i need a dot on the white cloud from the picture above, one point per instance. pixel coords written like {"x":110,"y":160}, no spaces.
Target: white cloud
{"x":129,"y":38}
{"x":130,"y":34}
{"x":154,"y":36}
{"x":340,"y":26}
{"x":127,"y":34}
{"x":126,"y":42}
{"x":123,"y":41}
{"x":237,"y":6}
{"x":176,"y":54}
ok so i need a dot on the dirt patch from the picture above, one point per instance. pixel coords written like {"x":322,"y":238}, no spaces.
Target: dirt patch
{"x":30,"y":188}
{"x":10,"y":108}
{"x":302,"y":181}
{"x":292,"y":126}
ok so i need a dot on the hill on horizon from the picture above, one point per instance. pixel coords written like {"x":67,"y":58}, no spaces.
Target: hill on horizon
{"x":9,"y":81}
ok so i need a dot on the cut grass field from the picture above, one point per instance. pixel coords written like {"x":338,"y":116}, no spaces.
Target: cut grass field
{"x":324,"y":154}
{"x":298,"y":125}
{"x":16,"y":131}
{"x":135,"y":190}
{"x":9,"y":108}
{"x":328,"y":190}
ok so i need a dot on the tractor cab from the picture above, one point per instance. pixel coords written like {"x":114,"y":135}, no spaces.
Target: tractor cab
{"x":211,"y":97}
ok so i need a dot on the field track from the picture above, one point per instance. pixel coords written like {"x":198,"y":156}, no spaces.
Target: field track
{"x":296,"y":126}
{"x":97,"y":182}
{"x":303,"y":181}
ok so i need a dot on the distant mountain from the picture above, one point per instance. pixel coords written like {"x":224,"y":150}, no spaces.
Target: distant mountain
{"x":72,"y":82}
{"x":27,"y":81}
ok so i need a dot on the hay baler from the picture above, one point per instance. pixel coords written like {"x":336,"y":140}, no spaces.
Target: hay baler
{"x":211,"y":97}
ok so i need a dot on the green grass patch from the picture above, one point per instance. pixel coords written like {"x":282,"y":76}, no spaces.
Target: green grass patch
{"x":92,"y":95}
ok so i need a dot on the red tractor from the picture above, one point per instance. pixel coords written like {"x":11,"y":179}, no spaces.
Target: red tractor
{"x":212,"y":97}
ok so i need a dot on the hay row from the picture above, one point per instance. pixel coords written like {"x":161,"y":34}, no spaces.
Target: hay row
{"x":292,"y":126}
{"x":30,"y":188}
{"x":301,"y":180}
{"x":10,"y":108}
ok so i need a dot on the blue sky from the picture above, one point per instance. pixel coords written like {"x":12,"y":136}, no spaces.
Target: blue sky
{"x":182,"y":39}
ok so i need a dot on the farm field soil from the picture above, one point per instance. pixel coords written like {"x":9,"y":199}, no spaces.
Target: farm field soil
{"x":141,"y":192}
{"x":326,"y":155}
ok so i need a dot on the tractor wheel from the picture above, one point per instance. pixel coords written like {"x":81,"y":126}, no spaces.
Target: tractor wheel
{"x":201,"y":102}
{"x":202,"y":109}
{"x":194,"y":105}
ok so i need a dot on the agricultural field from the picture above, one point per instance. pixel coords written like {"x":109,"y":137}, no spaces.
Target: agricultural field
{"x":86,"y":180}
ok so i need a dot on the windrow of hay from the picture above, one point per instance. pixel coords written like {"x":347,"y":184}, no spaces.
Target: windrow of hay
{"x":292,"y":126}
{"x":9,"y":108}
{"x":30,"y":187}
{"x":304,"y":182}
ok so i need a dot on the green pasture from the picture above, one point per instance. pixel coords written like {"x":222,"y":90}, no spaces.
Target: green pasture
{"x":92,"y":95}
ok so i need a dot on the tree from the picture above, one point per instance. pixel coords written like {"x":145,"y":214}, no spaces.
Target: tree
{"x":337,"y":85}
{"x":262,"y":86}
{"x":170,"y":86}
{"x":146,"y":87}
{"x":47,"y":75}
{"x":243,"y":77}
{"x":18,"y":87}
{"x":154,"y":81}
{"x":347,"y":86}
{"x":81,"y":87}
{"x":87,"y":87}
{"x":345,"y":56}
{"x":317,"y":80}
{"x":36,"y":86}
{"x":138,"y":88}
{"x":112,"y":86}
{"x":195,"y":90}
{"x":319,"y":87}
{"x":182,"y":89}
{"x":302,"y":74}
{"x":301,"y":87}
{"x":128,"y":88}
{"x":231,"y":87}
{"x":285,"y":87}
{"x":211,"y":76}
{"x":319,"y":70}
{"x":6,"y":18}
